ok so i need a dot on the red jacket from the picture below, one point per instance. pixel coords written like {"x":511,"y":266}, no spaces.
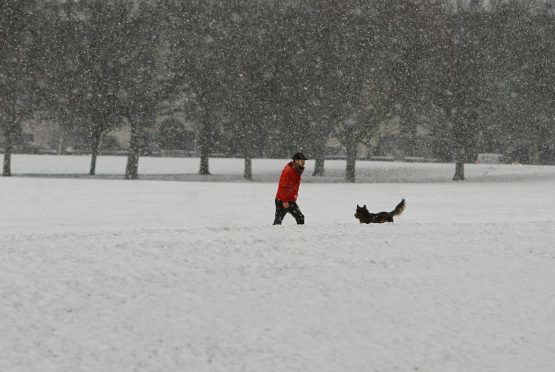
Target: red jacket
{"x":289,"y":183}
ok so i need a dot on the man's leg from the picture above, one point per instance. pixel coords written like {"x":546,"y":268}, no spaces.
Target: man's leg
{"x":280,"y":213}
{"x":296,"y":212}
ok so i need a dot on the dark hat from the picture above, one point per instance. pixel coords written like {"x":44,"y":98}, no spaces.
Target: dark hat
{"x":299,"y":156}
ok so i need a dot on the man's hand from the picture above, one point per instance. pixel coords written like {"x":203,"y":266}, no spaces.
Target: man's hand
{"x":285,"y":205}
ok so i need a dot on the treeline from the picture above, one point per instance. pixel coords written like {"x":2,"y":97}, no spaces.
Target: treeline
{"x":266,"y":78}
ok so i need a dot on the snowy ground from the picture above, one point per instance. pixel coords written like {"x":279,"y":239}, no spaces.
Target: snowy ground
{"x":113,"y":275}
{"x":267,"y":170}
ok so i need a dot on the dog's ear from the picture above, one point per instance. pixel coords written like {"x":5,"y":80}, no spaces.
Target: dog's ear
{"x":364,"y":206}
{"x":358,"y":207}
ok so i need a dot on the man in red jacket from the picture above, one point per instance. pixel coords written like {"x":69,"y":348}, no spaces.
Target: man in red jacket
{"x":288,"y":189}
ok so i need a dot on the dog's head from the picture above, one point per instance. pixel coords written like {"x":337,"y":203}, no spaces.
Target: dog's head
{"x":361,"y":211}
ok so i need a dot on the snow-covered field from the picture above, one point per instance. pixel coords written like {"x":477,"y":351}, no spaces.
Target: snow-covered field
{"x":112,"y":275}
{"x":267,"y":170}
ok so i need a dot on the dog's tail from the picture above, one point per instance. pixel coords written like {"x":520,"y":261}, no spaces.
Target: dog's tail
{"x":399,"y":208}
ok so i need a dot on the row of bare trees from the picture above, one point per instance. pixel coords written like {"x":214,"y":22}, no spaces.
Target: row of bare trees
{"x":269,"y":79}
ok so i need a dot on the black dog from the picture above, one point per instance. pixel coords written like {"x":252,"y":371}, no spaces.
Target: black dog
{"x":366,"y":217}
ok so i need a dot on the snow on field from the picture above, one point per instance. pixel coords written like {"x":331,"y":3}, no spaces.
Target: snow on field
{"x":267,"y":170}
{"x":114,"y":275}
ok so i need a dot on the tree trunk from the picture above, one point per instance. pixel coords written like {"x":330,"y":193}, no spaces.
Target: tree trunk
{"x":204,"y":165}
{"x":61,"y":150}
{"x":247,"y":153}
{"x":247,"y":174}
{"x":62,"y":130}
{"x":205,"y":145}
{"x":8,"y":148}
{"x":319,"y":157}
{"x":351,"y":147}
{"x":61,"y":141}
{"x":408,"y":131}
{"x":460,"y":135}
{"x":459,"y":171}
{"x":319,"y":166}
{"x":95,"y":145}
{"x":132,"y":167}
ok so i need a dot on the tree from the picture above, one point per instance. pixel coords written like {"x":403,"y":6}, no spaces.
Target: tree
{"x":18,"y":74}
{"x":460,"y":86}
{"x":361,"y":99}
{"x":196,"y":37}
{"x":101,"y":64}
{"x":324,"y":46}
{"x":530,"y":77}
{"x":61,"y":39}
{"x":245,"y":56}
{"x":407,"y":46}
{"x":140,"y":88}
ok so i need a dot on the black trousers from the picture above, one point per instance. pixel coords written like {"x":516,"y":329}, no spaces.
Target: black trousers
{"x":293,"y":209}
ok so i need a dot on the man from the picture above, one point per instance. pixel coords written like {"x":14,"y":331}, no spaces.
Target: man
{"x":288,"y":189}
